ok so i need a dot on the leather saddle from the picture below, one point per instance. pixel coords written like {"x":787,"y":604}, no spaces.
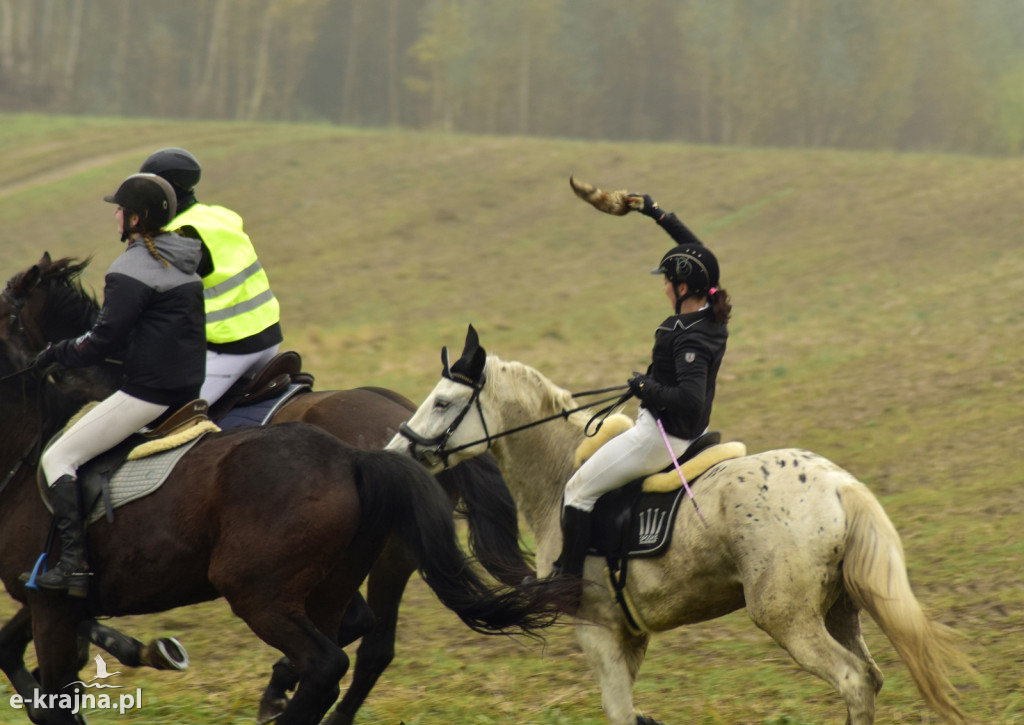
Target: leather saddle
{"x":259,"y":397}
{"x":637,"y":519}
{"x":174,"y":430}
{"x":254,"y":401}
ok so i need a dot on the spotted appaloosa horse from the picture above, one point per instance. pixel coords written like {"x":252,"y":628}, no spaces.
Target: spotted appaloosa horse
{"x":795,"y":539}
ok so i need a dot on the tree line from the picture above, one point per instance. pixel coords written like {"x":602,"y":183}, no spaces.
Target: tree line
{"x":908,"y":75}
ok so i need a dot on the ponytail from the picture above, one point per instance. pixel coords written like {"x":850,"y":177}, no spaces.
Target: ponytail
{"x":151,"y":246}
{"x":721,"y":307}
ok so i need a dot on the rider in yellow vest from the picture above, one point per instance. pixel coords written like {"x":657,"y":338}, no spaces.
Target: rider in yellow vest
{"x":243,"y":322}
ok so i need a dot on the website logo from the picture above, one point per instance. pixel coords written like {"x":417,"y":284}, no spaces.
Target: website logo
{"x":81,"y":699}
{"x":101,"y":674}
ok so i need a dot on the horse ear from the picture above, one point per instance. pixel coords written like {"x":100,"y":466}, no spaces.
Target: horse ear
{"x":29,"y":279}
{"x":472,"y":340}
{"x":445,"y":369}
{"x":470,"y":366}
{"x":476,"y":364}
{"x":45,"y":260}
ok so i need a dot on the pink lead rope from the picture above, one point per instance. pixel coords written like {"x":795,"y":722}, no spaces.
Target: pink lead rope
{"x":672,"y":455}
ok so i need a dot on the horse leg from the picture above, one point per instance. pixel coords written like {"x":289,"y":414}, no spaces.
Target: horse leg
{"x":320,"y":662}
{"x":14,"y":639}
{"x":615,"y":656}
{"x":165,"y":653}
{"x":356,"y":622}
{"x":275,"y":610}
{"x":801,"y":631}
{"x":55,"y":620}
{"x":843,"y":622}
{"x":385,"y":587}
{"x":283,"y":679}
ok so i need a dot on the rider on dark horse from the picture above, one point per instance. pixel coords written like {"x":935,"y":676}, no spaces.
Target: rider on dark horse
{"x":243,"y":320}
{"x":152,"y":318}
{"x":676,"y":392}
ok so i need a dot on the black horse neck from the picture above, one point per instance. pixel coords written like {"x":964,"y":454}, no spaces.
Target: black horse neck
{"x":32,"y":410}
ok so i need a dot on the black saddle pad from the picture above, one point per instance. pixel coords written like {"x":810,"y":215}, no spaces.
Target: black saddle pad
{"x":629,"y":523}
{"x":261,"y":412}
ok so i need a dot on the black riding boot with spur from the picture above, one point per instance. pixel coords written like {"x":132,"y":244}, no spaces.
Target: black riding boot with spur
{"x":71,"y":573}
{"x":575,"y":542}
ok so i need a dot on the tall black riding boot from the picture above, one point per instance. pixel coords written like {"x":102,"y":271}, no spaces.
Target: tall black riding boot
{"x":71,"y":573}
{"x":575,"y":542}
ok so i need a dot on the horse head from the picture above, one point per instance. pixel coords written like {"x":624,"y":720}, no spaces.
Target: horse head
{"x":442,"y":432}
{"x":46,"y":303}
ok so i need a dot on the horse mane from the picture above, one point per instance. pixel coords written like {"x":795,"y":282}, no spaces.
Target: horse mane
{"x":66,"y":298}
{"x":529,"y":385}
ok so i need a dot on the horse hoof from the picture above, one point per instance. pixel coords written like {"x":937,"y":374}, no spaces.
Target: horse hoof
{"x":271,"y":709}
{"x":165,"y":654}
{"x":644,"y":720}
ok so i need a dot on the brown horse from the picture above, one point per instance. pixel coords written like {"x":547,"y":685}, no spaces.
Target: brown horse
{"x":283,"y":521}
{"x":46,"y":302}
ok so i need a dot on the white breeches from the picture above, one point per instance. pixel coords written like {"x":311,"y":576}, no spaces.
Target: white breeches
{"x":639,"y":451}
{"x":99,"y":430}
{"x":223,"y":370}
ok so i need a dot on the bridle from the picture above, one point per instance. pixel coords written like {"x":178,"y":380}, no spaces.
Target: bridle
{"x":32,"y":452}
{"x":437,"y":445}
{"x":17,"y":304}
{"x":30,"y":456}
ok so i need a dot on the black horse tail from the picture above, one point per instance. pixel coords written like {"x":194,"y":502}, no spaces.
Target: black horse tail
{"x":492,"y":518}
{"x":397,"y":489}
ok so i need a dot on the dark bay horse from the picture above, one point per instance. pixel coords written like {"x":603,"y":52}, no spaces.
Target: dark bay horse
{"x":283,"y":521}
{"x":46,"y":303}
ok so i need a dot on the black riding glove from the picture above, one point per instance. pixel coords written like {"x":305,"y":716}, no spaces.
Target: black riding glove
{"x":46,"y":357}
{"x":650,"y":207}
{"x":640,"y":384}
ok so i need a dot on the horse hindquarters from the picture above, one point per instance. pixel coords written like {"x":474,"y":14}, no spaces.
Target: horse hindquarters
{"x":875,"y":575}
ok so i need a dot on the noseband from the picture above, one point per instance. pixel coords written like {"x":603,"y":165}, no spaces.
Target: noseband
{"x":438,"y":444}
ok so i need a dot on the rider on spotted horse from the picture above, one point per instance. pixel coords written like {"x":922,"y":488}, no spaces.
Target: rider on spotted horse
{"x":678,"y":388}
{"x":152,"y":319}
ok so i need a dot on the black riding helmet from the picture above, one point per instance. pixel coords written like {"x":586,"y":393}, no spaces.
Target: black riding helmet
{"x":693,"y":264}
{"x":176,"y":165}
{"x":147,"y":196}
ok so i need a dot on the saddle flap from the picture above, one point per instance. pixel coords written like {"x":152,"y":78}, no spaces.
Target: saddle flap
{"x":185,"y":416}
{"x":285,"y":364}
{"x":277,"y":376}
{"x":270,"y":389}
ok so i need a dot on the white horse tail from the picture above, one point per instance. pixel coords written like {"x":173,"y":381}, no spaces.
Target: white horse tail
{"x":875,"y":574}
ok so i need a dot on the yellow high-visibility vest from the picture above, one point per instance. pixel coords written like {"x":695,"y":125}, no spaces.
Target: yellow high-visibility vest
{"x":239,"y":301}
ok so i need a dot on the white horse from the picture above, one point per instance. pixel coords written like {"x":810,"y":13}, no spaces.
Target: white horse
{"x":798,"y":541}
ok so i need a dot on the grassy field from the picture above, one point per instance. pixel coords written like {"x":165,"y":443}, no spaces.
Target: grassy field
{"x":877,"y":321}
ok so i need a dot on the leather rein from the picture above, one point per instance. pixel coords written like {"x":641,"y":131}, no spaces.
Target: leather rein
{"x":438,"y":445}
